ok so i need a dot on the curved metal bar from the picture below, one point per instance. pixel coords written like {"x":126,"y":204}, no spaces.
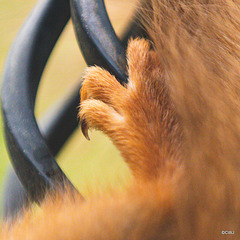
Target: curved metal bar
{"x":96,"y":37}
{"x":56,"y":126}
{"x":31,"y":158}
{"x":61,"y":120}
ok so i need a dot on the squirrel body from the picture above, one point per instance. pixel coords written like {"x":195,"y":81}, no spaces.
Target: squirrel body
{"x":177,"y":126}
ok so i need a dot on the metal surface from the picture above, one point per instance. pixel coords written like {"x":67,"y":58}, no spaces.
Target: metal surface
{"x":61,"y":120}
{"x":31,"y":149}
{"x":30,"y":155}
{"x":56,"y":126}
{"x":96,"y":37}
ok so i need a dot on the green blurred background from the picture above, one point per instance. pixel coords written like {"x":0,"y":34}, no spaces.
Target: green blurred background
{"x":93,"y":165}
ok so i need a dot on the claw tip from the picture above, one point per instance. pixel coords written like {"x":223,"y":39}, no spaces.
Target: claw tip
{"x":84,"y":129}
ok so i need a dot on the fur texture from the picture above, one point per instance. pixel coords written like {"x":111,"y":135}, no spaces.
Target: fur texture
{"x":177,"y":125}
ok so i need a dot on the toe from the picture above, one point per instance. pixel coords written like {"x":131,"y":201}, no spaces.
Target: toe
{"x":143,"y":63}
{"x":99,"y":84}
{"x":100,"y":116}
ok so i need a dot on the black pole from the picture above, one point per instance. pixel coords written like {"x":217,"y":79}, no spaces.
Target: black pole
{"x":33,"y":163}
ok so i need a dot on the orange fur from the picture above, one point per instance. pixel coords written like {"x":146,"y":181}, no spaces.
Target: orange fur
{"x":139,"y":117}
{"x":176,"y":124}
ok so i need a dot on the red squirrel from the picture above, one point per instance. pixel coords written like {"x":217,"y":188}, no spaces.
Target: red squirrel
{"x":177,"y":126}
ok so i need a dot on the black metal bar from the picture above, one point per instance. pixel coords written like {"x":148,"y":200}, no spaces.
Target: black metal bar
{"x":31,"y":158}
{"x":61,"y":120}
{"x":56,"y":126}
{"x":96,"y":37}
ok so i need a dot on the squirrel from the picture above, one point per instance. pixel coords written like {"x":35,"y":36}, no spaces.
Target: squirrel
{"x":177,"y":125}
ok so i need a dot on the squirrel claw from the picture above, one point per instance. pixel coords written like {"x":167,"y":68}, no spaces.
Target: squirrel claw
{"x":84,"y":128}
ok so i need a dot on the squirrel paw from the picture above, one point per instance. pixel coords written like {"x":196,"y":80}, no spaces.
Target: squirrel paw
{"x":138,"y":117}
